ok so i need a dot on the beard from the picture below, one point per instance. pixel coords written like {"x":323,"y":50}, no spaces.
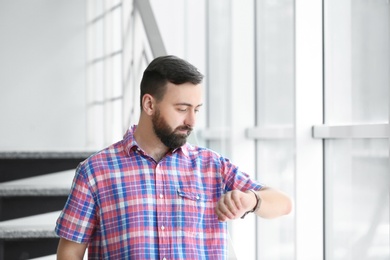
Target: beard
{"x":169,"y":137}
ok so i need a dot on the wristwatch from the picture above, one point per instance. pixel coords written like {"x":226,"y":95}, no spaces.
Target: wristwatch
{"x":257,"y":206}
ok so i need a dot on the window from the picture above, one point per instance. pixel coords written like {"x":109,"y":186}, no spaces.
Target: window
{"x":357,"y":164}
{"x":104,"y":63}
{"x":118,"y":51}
{"x":275,"y":119}
{"x":250,"y":106}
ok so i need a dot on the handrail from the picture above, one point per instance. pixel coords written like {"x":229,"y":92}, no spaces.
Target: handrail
{"x":151,"y":28}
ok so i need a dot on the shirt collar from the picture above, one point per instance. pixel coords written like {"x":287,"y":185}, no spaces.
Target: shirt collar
{"x":131,"y":144}
{"x":183,"y":149}
{"x":129,"y":141}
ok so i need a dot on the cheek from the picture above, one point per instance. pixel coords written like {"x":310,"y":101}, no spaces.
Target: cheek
{"x":172,"y":118}
{"x":176,"y":119}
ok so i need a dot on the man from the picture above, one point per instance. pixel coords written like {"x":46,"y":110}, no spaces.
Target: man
{"x":154,"y":196}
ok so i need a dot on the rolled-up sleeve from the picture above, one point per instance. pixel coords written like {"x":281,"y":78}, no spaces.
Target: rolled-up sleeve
{"x":235,"y":179}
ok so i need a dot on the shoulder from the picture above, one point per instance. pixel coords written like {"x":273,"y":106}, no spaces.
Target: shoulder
{"x":101,"y":160}
{"x":194,"y":150}
{"x":205,"y":154}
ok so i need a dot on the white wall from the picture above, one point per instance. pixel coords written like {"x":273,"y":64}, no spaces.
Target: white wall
{"x":42,"y":74}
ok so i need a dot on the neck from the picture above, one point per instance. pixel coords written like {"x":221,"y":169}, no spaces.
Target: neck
{"x":148,"y":141}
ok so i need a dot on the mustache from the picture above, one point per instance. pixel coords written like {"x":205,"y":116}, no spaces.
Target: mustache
{"x":184,"y":128}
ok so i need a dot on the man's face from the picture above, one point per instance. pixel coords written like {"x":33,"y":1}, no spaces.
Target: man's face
{"x":174,"y":117}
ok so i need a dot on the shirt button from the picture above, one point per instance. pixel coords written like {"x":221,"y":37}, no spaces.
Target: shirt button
{"x":162,"y":227}
{"x":161,"y":196}
{"x":197,"y":197}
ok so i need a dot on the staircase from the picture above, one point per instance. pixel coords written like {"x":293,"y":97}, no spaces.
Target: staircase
{"x":33,"y":189}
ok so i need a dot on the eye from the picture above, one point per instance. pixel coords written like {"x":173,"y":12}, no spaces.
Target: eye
{"x":182,"y":109}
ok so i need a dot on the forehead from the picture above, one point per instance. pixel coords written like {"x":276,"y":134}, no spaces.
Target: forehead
{"x":183,"y":93}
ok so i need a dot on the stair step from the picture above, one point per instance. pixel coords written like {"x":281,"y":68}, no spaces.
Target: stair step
{"x":19,"y":165}
{"x":53,"y":184}
{"x":37,"y":226}
{"x":34,"y":187}
{"x":33,"y":227}
{"x":48,"y":257}
{"x":54,"y":257}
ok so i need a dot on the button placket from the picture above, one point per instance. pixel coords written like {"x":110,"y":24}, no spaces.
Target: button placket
{"x":161,"y":208}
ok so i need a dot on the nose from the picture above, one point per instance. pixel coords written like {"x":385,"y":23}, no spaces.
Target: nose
{"x":190,"y":118}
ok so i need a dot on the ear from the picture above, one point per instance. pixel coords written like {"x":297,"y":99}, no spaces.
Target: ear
{"x":148,"y":104}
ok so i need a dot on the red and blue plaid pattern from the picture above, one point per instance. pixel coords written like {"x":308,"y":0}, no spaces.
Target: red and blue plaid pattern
{"x":127,"y":206}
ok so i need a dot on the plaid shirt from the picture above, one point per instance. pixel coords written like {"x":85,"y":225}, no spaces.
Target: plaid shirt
{"x":126,"y":205}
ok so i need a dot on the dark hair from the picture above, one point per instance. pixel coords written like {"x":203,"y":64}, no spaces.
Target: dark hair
{"x":166,"y":69}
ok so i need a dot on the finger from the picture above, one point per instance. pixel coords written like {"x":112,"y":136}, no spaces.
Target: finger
{"x":221,"y":216}
{"x":222,"y":210}
{"x":236,"y":198}
{"x":218,"y":211}
{"x":234,"y":205}
{"x":230,"y":204}
{"x":233,"y":202}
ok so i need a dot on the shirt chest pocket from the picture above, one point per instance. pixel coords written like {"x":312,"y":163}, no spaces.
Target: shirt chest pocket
{"x":194,"y":209}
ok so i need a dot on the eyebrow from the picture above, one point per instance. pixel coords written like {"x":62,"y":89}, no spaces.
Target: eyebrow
{"x":187,"y":104}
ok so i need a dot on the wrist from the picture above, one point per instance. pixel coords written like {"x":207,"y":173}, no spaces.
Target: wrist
{"x":257,"y":205}
{"x":253,"y":200}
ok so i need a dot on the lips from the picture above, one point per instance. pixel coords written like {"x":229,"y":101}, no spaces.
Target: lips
{"x":184,"y":130}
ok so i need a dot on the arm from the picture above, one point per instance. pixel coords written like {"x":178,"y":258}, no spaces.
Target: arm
{"x":234,"y":204}
{"x":274,"y":203}
{"x":70,"y":250}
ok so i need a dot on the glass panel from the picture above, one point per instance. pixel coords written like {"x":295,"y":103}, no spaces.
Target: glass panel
{"x":276,"y":169}
{"x":219,"y":66}
{"x":275,"y":62}
{"x":112,"y":3}
{"x":275,"y":108}
{"x":96,"y":87}
{"x":98,"y":7}
{"x":113,"y":77}
{"x":357,"y":186}
{"x":117,"y":76}
{"x":97,"y":39}
{"x":116,"y":29}
{"x":113,"y":26}
{"x":357,"y":81}
{"x":94,"y":9}
{"x":95,"y":133}
{"x":113,"y":121}
{"x":357,"y":63}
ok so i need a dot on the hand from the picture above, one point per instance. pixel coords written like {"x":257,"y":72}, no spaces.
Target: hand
{"x":234,"y":204}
